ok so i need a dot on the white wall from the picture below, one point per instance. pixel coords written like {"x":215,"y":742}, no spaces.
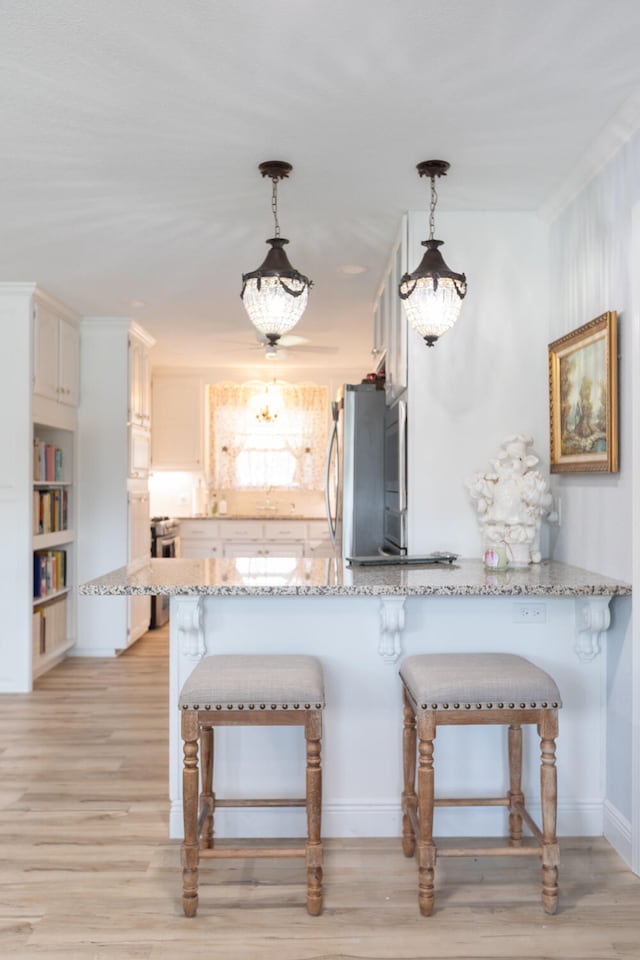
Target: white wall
{"x":16,"y":565}
{"x":591,"y":272}
{"x":485,"y":379}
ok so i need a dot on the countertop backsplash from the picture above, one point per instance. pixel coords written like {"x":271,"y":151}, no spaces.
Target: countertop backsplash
{"x":181,"y":494}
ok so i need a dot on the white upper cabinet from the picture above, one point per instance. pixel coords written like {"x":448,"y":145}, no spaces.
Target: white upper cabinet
{"x":177,"y":438}
{"x":139,"y":382}
{"x":389,"y":320}
{"x":55,"y":355}
{"x":139,"y":400}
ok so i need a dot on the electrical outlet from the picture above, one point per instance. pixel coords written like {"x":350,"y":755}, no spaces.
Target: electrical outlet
{"x":529,"y":613}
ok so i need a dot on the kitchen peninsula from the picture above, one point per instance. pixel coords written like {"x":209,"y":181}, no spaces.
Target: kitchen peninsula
{"x":361,"y":622}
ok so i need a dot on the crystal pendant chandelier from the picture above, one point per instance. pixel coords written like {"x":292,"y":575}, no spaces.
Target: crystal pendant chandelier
{"x":275,"y":295}
{"x":432,"y":295}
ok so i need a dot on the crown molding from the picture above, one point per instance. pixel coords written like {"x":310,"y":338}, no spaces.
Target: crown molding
{"x":614,"y":135}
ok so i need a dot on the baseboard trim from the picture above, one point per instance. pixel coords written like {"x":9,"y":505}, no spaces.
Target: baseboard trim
{"x":80,"y":651}
{"x":617,"y":830}
{"x":383,"y":819}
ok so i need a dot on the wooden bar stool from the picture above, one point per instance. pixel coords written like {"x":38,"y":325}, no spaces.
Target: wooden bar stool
{"x":489,"y":688}
{"x":232,"y":691}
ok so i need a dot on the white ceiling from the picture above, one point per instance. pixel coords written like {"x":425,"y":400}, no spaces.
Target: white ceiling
{"x":131,"y":134}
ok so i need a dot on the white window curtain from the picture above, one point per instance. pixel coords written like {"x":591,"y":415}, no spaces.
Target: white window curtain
{"x":267,"y":434}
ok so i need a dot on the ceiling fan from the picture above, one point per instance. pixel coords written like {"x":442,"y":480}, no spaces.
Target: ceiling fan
{"x":290,"y":342}
{"x":286,"y":344}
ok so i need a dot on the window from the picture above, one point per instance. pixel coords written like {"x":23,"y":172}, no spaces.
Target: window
{"x":268,"y":435}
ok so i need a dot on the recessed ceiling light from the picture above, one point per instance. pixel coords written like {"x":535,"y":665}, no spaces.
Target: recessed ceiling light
{"x":351,"y":269}
{"x":137,"y":303}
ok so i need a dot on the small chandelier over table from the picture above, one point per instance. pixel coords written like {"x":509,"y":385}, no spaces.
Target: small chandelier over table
{"x":275,"y":295}
{"x":432,"y":295}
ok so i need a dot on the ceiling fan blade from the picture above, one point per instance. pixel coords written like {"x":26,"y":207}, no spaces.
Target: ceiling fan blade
{"x":292,"y":340}
{"x":311,"y":348}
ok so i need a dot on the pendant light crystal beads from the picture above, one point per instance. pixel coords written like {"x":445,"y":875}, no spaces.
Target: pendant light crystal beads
{"x":275,"y":295}
{"x":432,"y":295}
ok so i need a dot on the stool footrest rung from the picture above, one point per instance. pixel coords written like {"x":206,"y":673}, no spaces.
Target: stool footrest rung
{"x":471,"y":802}
{"x":488,"y":851}
{"x":530,"y":822}
{"x":248,"y":853}
{"x":269,"y":802}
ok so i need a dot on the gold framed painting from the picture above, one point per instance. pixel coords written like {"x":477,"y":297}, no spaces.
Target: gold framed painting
{"x":583,"y":398}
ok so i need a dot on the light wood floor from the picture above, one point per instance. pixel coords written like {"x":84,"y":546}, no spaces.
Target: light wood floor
{"x":87,"y":872}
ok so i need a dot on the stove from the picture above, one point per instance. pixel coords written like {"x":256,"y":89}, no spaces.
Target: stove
{"x":165,"y":542}
{"x":163,"y":526}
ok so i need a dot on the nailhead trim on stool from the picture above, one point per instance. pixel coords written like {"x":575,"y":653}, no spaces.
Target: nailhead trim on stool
{"x":443,"y":681}
{"x":245,"y":690}
{"x":265,"y":681}
{"x":488,"y":688}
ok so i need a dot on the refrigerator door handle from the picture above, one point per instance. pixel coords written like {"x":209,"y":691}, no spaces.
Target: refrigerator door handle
{"x":402,"y":455}
{"x":332,"y":521}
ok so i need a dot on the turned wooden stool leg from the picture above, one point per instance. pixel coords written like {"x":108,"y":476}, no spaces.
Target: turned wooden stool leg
{"x":515,"y":794}
{"x":313,"y":733}
{"x":207,"y":797}
{"x":409,"y":798}
{"x":548,"y":730}
{"x":190,"y":786}
{"x":426,"y":846}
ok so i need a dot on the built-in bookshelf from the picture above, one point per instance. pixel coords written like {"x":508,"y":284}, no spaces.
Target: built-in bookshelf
{"x":53,"y":543}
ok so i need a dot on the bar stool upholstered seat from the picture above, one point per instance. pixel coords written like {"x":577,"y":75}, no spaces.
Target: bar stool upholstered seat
{"x":486,"y":688}
{"x":245,"y":690}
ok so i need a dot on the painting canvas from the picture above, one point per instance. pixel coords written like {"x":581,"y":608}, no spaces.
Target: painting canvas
{"x":584,"y":398}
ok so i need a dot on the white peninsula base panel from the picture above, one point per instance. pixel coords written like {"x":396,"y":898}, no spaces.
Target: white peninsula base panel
{"x":360,"y":640}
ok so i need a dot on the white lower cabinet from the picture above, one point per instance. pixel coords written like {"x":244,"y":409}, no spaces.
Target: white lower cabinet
{"x":253,"y":538}
{"x":113,"y":497}
{"x":200,"y":549}
{"x":249,"y":548}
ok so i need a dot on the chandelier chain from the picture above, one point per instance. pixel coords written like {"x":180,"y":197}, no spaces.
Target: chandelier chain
{"x":274,"y":204}
{"x":432,"y":208}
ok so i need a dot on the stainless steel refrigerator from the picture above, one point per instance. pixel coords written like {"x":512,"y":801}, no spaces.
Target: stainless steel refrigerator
{"x":355,"y":474}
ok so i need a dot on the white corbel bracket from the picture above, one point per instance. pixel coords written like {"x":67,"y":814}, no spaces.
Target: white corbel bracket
{"x":190,"y":620}
{"x":593,"y":618}
{"x":391,"y":627}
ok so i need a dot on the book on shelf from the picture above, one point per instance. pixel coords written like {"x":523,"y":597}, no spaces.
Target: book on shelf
{"x":50,"y":510}
{"x":47,"y":461}
{"x":49,"y":572}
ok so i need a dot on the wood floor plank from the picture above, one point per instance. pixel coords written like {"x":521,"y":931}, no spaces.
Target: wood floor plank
{"x":87,"y":872}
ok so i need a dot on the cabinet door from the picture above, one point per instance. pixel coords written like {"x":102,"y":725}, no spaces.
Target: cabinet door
{"x":139,"y":451}
{"x":139,"y":616}
{"x":177,"y":440}
{"x":199,"y":530}
{"x":68,"y":363}
{"x":45,"y":347}
{"x":139,"y":526}
{"x":135,"y":380}
{"x":196,"y":549}
{"x":290,"y":530}
{"x":281,"y":550}
{"x":397,"y":357}
{"x":145,"y":388}
{"x":260,"y":549}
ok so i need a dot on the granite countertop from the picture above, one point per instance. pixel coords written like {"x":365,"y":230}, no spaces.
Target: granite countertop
{"x":290,"y":576}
